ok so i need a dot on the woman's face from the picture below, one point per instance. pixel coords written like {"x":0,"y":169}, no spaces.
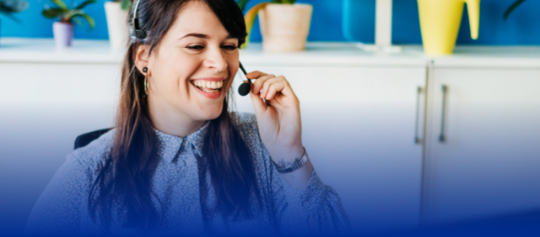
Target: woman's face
{"x":193,"y":66}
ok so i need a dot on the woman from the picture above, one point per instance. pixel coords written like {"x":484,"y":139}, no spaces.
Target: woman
{"x":177,"y":160}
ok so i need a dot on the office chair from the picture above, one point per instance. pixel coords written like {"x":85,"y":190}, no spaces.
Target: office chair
{"x":85,"y":139}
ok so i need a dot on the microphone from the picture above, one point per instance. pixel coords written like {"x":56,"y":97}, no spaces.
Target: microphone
{"x":244,"y":89}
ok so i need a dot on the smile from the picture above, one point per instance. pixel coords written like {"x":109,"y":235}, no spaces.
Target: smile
{"x":210,"y":87}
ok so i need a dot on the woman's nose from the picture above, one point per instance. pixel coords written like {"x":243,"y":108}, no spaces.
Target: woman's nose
{"x":216,"y":61}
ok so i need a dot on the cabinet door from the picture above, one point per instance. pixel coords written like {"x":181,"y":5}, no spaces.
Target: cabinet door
{"x":43,"y":108}
{"x":359,"y":130}
{"x":488,"y":161}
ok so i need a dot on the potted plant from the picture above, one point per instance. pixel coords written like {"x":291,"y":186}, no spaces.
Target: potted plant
{"x":242,"y":4}
{"x":117,"y":22}
{"x":512,"y":7}
{"x":9,"y":7}
{"x":249,"y":16}
{"x":63,"y":29}
{"x":284,"y":24}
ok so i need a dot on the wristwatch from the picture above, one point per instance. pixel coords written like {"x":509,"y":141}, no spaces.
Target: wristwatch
{"x":297,"y":164}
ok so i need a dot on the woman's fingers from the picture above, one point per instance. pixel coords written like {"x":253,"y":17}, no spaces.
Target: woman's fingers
{"x":281,"y":85}
{"x":271,"y":87}
{"x":266,"y":86}
{"x":258,"y":103}
{"x":255,"y":74}
{"x":258,"y":84}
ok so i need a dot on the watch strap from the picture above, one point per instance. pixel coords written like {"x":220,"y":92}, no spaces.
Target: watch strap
{"x":297,"y":164}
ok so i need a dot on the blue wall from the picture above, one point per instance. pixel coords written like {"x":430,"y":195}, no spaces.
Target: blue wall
{"x":522,"y":27}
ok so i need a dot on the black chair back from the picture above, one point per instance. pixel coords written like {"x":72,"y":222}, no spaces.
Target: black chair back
{"x":85,"y":139}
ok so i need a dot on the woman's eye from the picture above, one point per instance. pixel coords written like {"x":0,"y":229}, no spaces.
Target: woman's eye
{"x":230,"y":47}
{"x":195,"y":47}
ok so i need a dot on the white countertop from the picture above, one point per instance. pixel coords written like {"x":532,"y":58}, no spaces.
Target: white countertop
{"x":99,"y":51}
{"x":484,"y":57}
{"x":24,"y":50}
{"x":44,"y":51}
{"x":331,"y":54}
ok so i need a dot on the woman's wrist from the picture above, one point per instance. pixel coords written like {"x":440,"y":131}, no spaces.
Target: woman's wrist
{"x":299,"y":179}
{"x":297,"y":163}
{"x":286,"y":155}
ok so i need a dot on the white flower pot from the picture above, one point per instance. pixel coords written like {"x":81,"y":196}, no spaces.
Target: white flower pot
{"x":285,"y":27}
{"x":117,"y":24}
{"x":63,"y":34}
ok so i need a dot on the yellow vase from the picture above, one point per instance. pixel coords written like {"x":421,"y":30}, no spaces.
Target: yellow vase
{"x":440,"y":21}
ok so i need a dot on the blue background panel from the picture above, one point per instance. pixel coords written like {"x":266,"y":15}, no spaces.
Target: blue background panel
{"x":333,"y":20}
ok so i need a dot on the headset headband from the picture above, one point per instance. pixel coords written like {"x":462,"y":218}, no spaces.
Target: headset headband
{"x":140,"y":34}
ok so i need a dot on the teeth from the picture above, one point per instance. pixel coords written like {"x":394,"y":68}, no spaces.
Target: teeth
{"x":208,"y":90}
{"x":208,"y":84}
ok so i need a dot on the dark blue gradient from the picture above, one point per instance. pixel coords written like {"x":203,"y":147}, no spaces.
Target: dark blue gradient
{"x":26,"y":170}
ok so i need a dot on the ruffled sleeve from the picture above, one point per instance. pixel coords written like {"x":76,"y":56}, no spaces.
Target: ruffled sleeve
{"x":316,"y":210}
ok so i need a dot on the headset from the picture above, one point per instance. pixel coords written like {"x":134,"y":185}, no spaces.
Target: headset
{"x":139,"y":33}
{"x":244,"y":89}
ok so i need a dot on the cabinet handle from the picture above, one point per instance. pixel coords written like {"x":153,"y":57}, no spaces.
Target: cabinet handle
{"x":444,"y":90}
{"x":416,"y":138}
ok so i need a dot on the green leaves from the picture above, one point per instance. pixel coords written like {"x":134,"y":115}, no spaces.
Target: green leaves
{"x":53,"y":12}
{"x":512,"y":8}
{"x":242,"y":4}
{"x":61,"y":4}
{"x":88,"y":19}
{"x":8,"y":7}
{"x":13,"y":6}
{"x":68,"y":15}
{"x":125,"y":4}
{"x":82,"y":5}
{"x":284,"y":1}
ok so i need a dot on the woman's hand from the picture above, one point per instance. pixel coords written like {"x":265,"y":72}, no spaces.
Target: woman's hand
{"x":279,"y":122}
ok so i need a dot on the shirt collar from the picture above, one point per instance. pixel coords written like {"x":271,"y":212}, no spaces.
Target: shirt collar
{"x":170,"y":144}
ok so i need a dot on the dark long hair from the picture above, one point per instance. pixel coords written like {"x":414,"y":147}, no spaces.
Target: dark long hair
{"x":124,"y":180}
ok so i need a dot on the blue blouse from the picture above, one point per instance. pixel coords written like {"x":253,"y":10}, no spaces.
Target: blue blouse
{"x":62,"y":209}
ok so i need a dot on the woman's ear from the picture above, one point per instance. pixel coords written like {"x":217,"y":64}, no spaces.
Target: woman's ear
{"x":142,"y":57}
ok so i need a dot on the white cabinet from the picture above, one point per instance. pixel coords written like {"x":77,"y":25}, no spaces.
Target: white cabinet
{"x":489,"y":160}
{"x":47,"y":99}
{"x":43,"y":108}
{"x":359,"y":127}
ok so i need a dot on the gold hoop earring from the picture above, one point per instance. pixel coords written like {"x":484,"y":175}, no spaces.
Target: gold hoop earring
{"x":145,"y":85}
{"x":145,"y":70}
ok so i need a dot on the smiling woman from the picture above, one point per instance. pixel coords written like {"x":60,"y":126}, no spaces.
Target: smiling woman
{"x":177,"y":160}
